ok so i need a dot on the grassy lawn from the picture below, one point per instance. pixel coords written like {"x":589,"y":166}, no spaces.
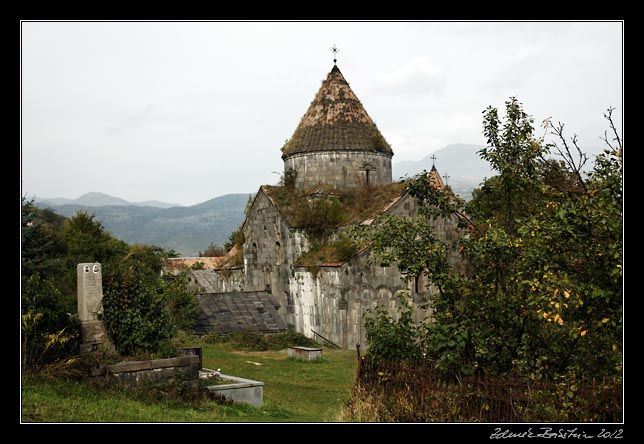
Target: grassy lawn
{"x":294,"y":391}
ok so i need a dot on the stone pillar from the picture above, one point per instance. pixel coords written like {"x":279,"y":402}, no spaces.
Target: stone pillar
{"x":90,"y":297}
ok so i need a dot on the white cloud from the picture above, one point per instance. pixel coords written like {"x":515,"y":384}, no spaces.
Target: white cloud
{"x":185,"y":112}
{"x":416,"y":77}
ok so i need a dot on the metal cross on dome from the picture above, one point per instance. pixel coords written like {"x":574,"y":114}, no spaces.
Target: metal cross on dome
{"x":335,"y":51}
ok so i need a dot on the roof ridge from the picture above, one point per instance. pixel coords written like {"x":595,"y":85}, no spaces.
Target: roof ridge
{"x":336,"y":120}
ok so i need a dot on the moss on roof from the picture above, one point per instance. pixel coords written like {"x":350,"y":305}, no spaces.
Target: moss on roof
{"x":358,"y":205}
{"x":336,"y":120}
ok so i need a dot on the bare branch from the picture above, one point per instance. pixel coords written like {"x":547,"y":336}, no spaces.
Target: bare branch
{"x":574,"y":165}
{"x":605,"y":139}
{"x":583,"y":158}
{"x":609,"y":116}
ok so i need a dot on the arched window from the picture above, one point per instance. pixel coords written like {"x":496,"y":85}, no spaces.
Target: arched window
{"x":253,"y":253}
{"x":278,"y":253}
{"x":369,"y":173}
{"x":267,"y":277}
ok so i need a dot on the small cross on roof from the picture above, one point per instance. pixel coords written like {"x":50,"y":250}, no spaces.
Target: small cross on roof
{"x":334,"y":50}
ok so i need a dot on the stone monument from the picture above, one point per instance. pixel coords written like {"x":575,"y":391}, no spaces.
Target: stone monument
{"x":90,"y":297}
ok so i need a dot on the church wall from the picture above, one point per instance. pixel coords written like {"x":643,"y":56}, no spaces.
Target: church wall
{"x":334,"y":300}
{"x":339,"y":168}
{"x":269,"y":250}
{"x":264,"y":244}
{"x":345,"y":295}
{"x":331,"y":301}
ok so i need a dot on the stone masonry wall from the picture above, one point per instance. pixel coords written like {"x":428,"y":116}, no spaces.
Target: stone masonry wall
{"x":170,"y":371}
{"x":342,"y":169}
{"x":334,"y":300}
{"x":330,"y":300}
{"x":269,"y":250}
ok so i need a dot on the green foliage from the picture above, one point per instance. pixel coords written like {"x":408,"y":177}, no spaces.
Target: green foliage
{"x":320,"y":216}
{"x":86,"y":240}
{"x":341,"y":249}
{"x":514,"y":153}
{"x":42,"y":248}
{"x":213,"y":251}
{"x":542,"y":292}
{"x":136,"y":316}
{"x":249,"y":204}
{"x":299,"y":392}
{"x":142,"y":311}
{"x":133,"y":288}
{"x":48,"y":332}
{"x":288,"y":179}
{"x":236,"y":239}
{"x":284,"y":145}
{"x":345,"y":247}
{"x":393,"y":338}
{"x":182,"y":303}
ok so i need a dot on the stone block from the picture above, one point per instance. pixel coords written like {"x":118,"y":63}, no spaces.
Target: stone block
{"x":305,"y":353}
{"x":240,"y":390}
{"x":93,"y":332}
{"x":89,"y":291}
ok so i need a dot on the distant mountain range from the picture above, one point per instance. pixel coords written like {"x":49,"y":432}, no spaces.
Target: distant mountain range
{"x":102,"y":200}
{"x":186,"y":230}
{"x":189,"y":230}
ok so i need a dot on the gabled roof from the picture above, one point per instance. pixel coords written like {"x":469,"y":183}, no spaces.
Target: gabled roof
{"x":436,"y":178}
{"x":336,"y":120}
{"x":237,"y":311}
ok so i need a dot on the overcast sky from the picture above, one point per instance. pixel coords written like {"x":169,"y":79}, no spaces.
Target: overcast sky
{"x":183,"y":112}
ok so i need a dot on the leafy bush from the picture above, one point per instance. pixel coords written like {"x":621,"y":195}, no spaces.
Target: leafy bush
{"x":288,"y":179}
{"x":48,"y":332}
{"x":345,"y":247}
{"x":181,"y":302}
{"x":393,"y":340}
{"x":136,"y":313}
{"x":320,"y":216}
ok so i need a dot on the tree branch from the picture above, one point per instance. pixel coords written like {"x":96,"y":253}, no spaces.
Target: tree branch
{"x":567,"y":156}
{"x":609,"y":116}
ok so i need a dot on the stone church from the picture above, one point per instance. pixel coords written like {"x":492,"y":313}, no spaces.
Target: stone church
{"x":282,"y":276}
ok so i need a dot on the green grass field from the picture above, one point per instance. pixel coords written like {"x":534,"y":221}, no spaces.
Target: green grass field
{"x":294,"y":391}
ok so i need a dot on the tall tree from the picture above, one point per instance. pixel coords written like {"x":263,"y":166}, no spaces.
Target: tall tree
{"x":42,"y":247}
{"x":543,"y":244}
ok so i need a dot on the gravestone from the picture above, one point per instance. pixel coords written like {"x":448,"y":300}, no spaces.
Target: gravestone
{"x":90,"y":297}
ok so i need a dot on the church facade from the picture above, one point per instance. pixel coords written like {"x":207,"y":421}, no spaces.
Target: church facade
{"x":336,"y":155}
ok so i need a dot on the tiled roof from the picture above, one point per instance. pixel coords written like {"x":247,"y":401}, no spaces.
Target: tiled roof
{"x":238,"y":311}
{"x":178,"y":263}
{"x":436,"y":178}
{"x":208,"y":263}
{"x":336,"y":120}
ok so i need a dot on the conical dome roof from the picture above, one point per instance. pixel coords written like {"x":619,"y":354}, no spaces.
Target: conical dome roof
{"x":336,"y":120}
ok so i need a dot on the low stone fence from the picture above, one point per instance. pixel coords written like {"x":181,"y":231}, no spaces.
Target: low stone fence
{"x":181,"y":369}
